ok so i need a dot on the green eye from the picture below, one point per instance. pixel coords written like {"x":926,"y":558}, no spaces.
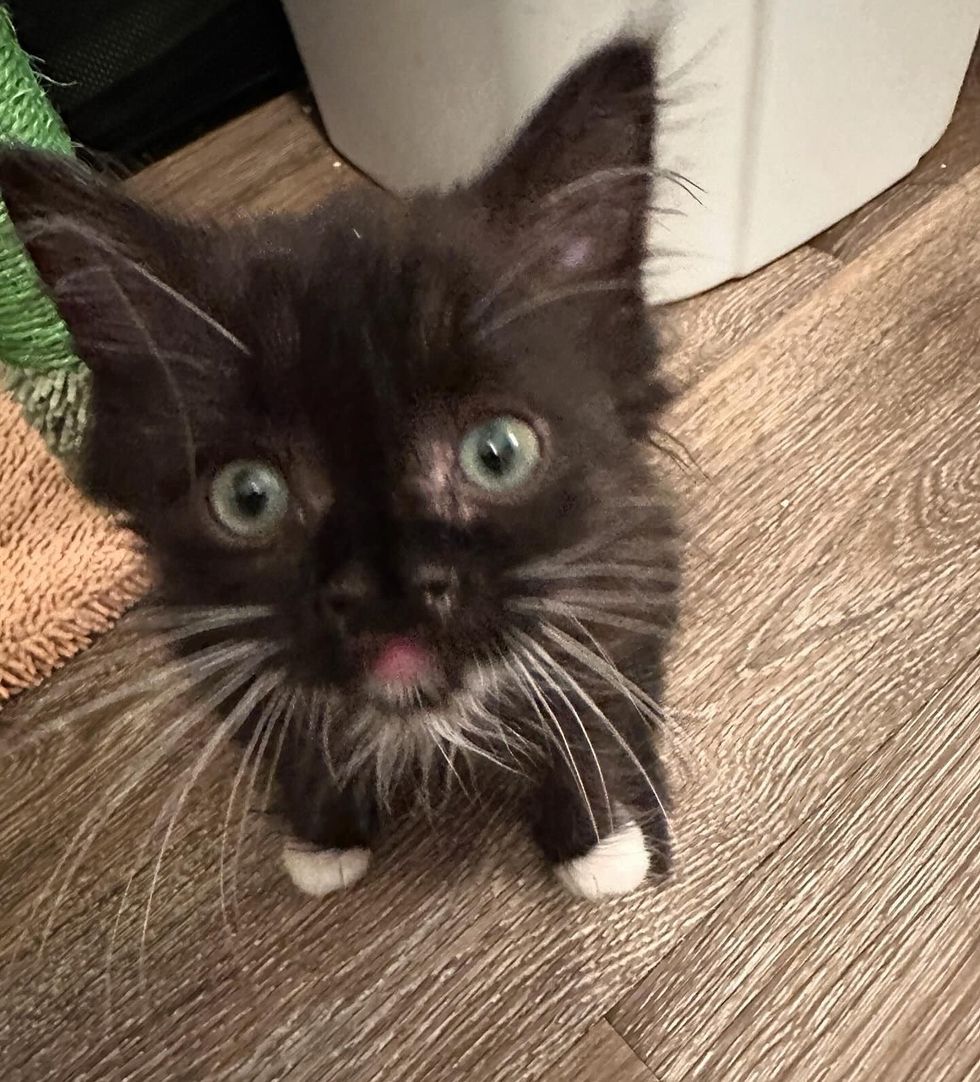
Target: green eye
{"x":500,"y":455}
{"x":249,"y":499}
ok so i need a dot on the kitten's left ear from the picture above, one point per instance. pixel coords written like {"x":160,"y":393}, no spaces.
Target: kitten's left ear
{"x":579,"y":173}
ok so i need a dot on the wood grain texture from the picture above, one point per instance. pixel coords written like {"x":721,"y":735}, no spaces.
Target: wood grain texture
{"x":600,"y":1054}
{"x":956,"y":153}
{"x":273,"y":158}
{"x":701,"y":332}
{"x":833,"y":590}
{"x":854,"y":953}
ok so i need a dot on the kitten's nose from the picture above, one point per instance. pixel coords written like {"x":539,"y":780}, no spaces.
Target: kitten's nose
{"x":438,"y":587}
{"x":346,"y":591}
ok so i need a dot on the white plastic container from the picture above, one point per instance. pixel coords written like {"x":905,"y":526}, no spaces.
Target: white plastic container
{"x":786,"y":114}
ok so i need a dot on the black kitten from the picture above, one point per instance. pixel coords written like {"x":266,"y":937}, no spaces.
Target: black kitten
{"x":390,"y":461}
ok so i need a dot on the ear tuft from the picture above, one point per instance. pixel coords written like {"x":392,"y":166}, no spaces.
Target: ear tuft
{"x":67,"y":216}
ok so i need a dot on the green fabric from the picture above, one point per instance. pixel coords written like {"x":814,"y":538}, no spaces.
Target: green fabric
{"x":36,"y":358}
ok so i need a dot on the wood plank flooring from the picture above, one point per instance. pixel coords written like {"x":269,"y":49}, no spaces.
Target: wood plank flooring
{"x":822,"y":922}
{"x":856,"y":947}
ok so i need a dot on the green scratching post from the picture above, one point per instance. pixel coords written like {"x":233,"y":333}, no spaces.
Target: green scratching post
{"x":37,"y":364}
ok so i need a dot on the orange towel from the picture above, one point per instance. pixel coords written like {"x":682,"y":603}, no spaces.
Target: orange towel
{"x":66,"y":570}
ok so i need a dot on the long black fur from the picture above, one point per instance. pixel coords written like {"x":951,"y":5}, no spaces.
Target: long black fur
{"x":362,"y":339}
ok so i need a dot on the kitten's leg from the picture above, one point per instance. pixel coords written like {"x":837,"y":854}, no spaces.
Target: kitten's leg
{"x":333,"y":828}
{"x":600,"y":849}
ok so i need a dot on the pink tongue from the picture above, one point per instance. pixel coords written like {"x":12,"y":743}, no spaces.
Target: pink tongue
{"x":401,"y":660}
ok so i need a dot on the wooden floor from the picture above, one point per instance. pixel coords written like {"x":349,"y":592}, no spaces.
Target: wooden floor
{"x":824,"y":919}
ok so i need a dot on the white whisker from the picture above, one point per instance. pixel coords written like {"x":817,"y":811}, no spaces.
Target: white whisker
{"x":257,"y":741}
{"x":591,"y":571}
{"x":176,"y":676}
{"x":604,"y":176}
{"x":53,"y":222}
{"x":156,"y":752}
{"x":173,"y":387}
{"x":598,"y":540}
{"x":280,"y":744}
{"x":610,"y":727}
{"x":555,"y":296}
{"x":185,"y":726}
{"x":596,"y":616}
{"x":262,"y":687}
{"x":532,"y":647}
{"x":608,"y":599}
{"x":537,"y":696}
{"x":601,"y":667}
{"x":287,"y":710}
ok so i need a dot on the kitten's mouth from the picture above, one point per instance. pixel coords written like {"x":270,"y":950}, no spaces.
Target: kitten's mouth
{"x":401,"y":671}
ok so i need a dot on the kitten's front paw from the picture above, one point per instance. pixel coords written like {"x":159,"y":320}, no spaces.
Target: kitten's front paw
{"x":617,"y":865}
{"x":321,"y":871}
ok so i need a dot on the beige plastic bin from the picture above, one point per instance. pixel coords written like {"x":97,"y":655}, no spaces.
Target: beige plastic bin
{"x":786,"y":114}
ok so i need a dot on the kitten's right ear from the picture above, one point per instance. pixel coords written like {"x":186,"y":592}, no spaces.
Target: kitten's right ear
{"x":124,"y":280}
{"x":92,"y":246}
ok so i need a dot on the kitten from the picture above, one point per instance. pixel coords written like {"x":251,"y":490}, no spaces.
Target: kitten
{"x":390,"y":460}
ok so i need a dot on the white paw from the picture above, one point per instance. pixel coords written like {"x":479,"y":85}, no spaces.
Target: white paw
{"x":320,"y":871}
{"x":617,"y":865}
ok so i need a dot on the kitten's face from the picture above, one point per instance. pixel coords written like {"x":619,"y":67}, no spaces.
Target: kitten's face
{"x":381,"y":461}
{"x":381,"y":423}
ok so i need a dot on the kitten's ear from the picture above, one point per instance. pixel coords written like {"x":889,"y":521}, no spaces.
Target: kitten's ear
{"x":580,"y":170}
{"x":93,"y":248}
{"x":122,"y":278}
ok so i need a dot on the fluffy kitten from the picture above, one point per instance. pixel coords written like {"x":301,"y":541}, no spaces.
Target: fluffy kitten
{"x":390,"y":460}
